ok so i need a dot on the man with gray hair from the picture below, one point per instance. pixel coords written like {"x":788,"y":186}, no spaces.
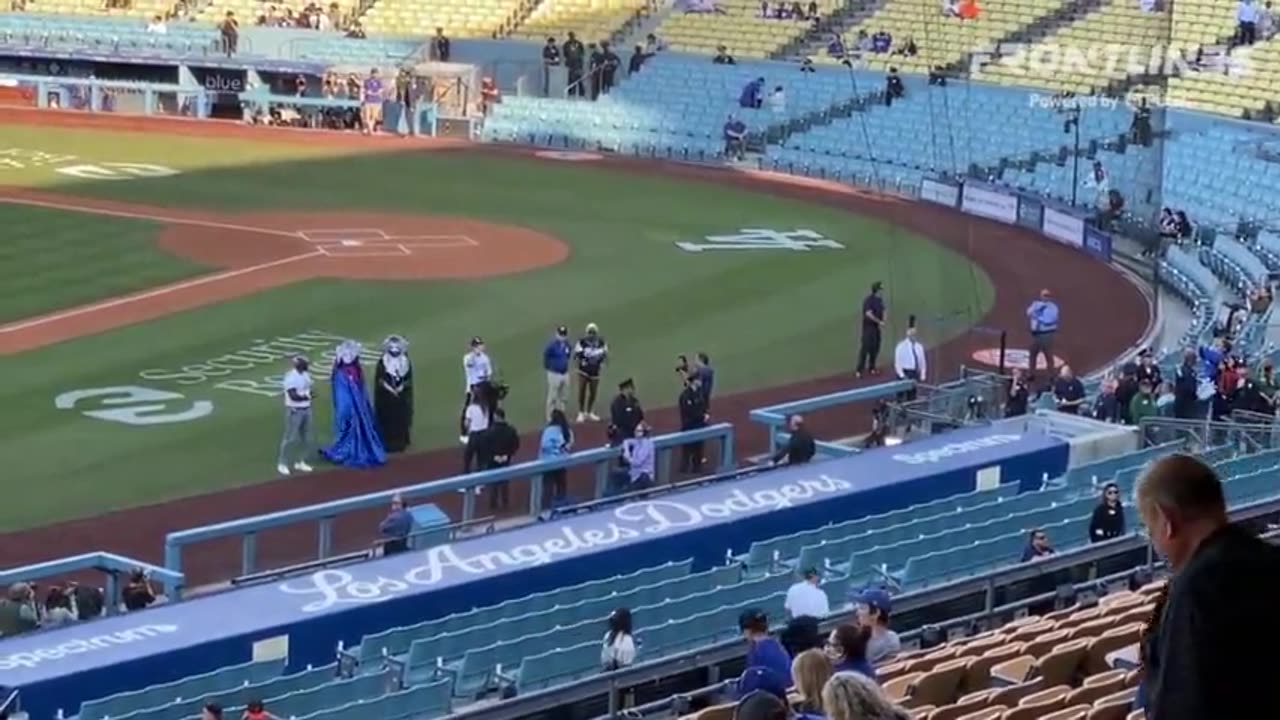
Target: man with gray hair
{"x":1212,"y":653}
{"x":297,"y":416}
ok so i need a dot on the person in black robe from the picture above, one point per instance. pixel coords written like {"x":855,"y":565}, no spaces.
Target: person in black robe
{"x":393,"y":394}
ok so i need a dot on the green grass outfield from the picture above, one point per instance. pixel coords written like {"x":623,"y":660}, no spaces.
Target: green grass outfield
{"x":766,"y":317}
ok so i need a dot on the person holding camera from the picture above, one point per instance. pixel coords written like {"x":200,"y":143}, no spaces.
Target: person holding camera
{"x":138,"y":594}
{"x":18,"y":612}
{"x":693,"y":415}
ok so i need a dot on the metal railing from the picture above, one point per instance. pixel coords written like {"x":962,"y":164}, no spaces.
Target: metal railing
{"x":110,"y":564}
{"x":1247,"y":432}
{"x":775,"y":416}
{"x":601,"y":460}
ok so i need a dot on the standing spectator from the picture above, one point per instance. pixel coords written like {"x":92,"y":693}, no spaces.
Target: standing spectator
{"x":1107,"y":522}
{"x":556,"y":441}
{"x":693,"y":415}
{"x":638,"y":56}
{"x":595,"y":66}
{"x":89,"y":602}
{"x":706,"y":376}
{"x":1246,"y":22}
{"x":1211,"y":357}
{"x":18,"y":611}
{"x":874,"y":606}
{"x":478,"y":370}
{"x":1266,"y":22}
{"x":806,"y":597}
{"x":1037,"y":546}
{"x":1126,"y":391}
{"x":230,"y":31}
{"x":810,"y":672}
{"x":59,"y":608}
{"x":371,"y":103}
{"x":574,"y":57}
{"x":550,"y":59}
{"x":1019,"y":395}
{"x":893,"y":87}
{"x":1142,"y":406}
{"x":1248,"y":395}
{"x":137,"y":594}
{"x":555,"y":360}
{"x":1269,"y":386}
{"x":1214,"y":649}
{"x":610,"y":62}
{"x":752,"y":95}
{"x":501,"y":444}
{"x":849,"y":696}
{"x":1043,"y":318}
{"x":475,"y":422}
{"x":652,"y":45}
{"x":1107,"y":406}
{"x":592,"y":352}
{"x":847,"y":649}
{"x":909,"y":363}
{"x":396,"y":528}
{"x":800,"y":447}
{"x":763,"y":650}
{"x":641,"y":457}
{"x":297,"y":417}
{"x":625,"y":412}
{"x":735,"y":138}
{"x":1068,"y":391}
{"x":441,"y":48}
{"x":1186,"y":387}
{"x":619,"y":649}
{"x":1148,"y":370}
{"x":873,"y":320}
{"x":723,"y":57}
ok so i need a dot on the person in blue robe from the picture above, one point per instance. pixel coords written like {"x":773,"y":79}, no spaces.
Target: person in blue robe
{"x":356,"y":442}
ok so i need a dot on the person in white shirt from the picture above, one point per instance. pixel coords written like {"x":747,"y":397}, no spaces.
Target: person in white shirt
{"x":478,"y":369}
{"x":909,"y":361}
{"x":297,"y":417}
{"x":475,"y":423}
{"x":1246,"y":22}
{"x":157,"y":26}
{"x":778,"y":101}
{"x":619,"y":649}
{"x":806,"y":599}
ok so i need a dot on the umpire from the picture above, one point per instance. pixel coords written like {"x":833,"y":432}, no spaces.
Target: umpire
{"x":872,"y":325}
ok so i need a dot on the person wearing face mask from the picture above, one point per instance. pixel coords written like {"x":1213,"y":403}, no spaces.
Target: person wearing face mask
{"x":1108,"y":517}
{"x":393,"y":394}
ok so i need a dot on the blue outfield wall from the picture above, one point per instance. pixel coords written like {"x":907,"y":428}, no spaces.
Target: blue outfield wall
{"x":61,"y":668}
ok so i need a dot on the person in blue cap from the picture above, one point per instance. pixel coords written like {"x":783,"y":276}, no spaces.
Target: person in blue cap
{"x":874,"y":606}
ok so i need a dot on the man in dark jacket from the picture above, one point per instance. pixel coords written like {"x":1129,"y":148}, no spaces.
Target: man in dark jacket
{"x":610,"y":62}
{"x":1212,"y":651}
{"x":800,"y":447}
{"x":1186,"y":385}
{"x":595,"y":69}
{"x":1126,"y":391}
{"x":574,"y":56}
{"x":625,"y":413}
{"x":1019,"y":395}
{"x":638,"y":57}
{"x":502,"y":442}
{"x":441,"y":48}
{"x":693,"y":415}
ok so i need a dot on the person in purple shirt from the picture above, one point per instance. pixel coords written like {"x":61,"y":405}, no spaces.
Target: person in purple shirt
{"x":751,"y":96}
{"x":881,"y":42}
{"x":763,"y":650}
{"x":735,"y":137}
{"x":371,"y":102}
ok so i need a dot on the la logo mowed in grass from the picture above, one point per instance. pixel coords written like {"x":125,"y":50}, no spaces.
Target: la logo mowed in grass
{"x":800,"y":240}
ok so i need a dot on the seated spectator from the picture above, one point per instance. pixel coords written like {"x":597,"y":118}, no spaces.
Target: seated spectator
{"x":847,"y":650}
{"x":763,"y":650}
{"x":257,"y":710}
{"x":1149,"y":6}
{"x":968,"y":10}
{"x":800,"y":447}
{"x":640,"y":455}
{"x":881,"y":42}
{"x":938,"y":76}
{"x":138,"y":595}
{"x":723,"y":57}
{"x":813,"y":9}
{"x":396,"y":528}
{"x":357,"y":31}
{"x":1107,"y":522}
{"x":766,"y":700}
{"x":638,"y":56}
{"x":1185,"y":230}
{"x":735,"y":138}
{"x":801,"y":634}
{"x":1168,"y":225}
{"x":951,"y":8}
{"x":893,"y":87}
{"x":59,"y":608}
{"x":752,"y":95}
{"x":809,"y":674}
{"x":797,"y":12}
{"x":908,"y":48}
{"x":835,"y":47}
{"x":764,"y":9}
{"x":211,"y":711}
{"x":863,"y":43}
{"x":619,"y":649}
{"x":1038,"y":546}
{"x":874,"y":607}
{"x":157,"y":26}
{"x":778,"y":101}
{"x":1260,"y":300}
{"x":18,"y":612}
{"x":806,"y":66}
{"x":652,"y":45}
{"x":89,"y":602}
{"x":849,"y":696}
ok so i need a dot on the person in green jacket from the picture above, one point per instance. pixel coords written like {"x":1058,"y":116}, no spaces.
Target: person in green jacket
{"x":1143,"y":404}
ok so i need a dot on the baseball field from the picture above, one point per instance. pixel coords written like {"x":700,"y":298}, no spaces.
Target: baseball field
{"x":157,"y":277}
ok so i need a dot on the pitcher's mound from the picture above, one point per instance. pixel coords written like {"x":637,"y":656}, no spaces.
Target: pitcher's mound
{"x":364,"y":245}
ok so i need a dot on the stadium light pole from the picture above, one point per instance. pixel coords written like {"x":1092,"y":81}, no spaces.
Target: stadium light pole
{"x":1073,"y":125}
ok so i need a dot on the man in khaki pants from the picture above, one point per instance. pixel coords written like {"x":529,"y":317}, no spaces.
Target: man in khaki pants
{"x":555,"y":359}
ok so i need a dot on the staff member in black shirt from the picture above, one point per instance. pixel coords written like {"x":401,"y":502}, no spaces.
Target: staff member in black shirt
{"x":501,"y":443}
{"x":573,"y":58}
{"x":1213,"y":649}
{"x":1068,"y":391}
{"x":1108,"y":518}
{"x":610,"y":62}
{"x":595,"y":69}
{"x":1186,"y":387}
{"x":625,"y":413}
{"x":872,"y":325}
{"x":693,"y":415}
{"x":800,"y":447}
{"x":440,"y":46}
{"x":1148,"y":370}
{"x":1019,"y":395}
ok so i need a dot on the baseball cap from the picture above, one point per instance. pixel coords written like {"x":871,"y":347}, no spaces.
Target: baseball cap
{"x":877,"y":599}
{"x":477,"y":340}
{"x":761,"y":706}
{"x":762,"y":679}
{"x":562,"y":330}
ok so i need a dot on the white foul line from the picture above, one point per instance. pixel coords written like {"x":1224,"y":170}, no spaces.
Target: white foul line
{"x":195,"y":282}
{"x":71,"y":207}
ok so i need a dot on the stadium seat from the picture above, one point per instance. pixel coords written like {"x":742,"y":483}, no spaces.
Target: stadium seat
{"x":937,"y":686}
{"x":1112,"y":707}
{"x":188,"y":689}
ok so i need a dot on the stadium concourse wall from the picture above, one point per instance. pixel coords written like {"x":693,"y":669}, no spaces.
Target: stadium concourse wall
{"x":307,"y":618}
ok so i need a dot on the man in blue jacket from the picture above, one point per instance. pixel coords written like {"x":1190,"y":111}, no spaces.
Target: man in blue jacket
{"x":555,"y":360}
{"x":1043,"y":318}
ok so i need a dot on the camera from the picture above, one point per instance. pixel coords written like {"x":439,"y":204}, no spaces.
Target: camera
{"x":500,"y":389}
{"x":682,"y":364}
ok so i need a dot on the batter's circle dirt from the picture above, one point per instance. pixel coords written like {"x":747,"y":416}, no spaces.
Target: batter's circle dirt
{"x":365,"y":245}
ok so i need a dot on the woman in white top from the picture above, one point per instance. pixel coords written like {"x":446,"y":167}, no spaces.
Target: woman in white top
{"x":619,"y":649}
{"x":59,"y":608}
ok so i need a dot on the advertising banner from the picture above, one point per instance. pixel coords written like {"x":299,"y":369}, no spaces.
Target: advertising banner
{"x":1097,"y":243}
{"x":940,"y":192}
{"x":989,"y":203}
{"x":1063,"y":227}
{"x":1030,"y":210}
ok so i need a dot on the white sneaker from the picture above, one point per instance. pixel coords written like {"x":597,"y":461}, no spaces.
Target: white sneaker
{"x":301,"y":466}
{"x":462,"y":439}
{"x":593,"y":417}
{"x":282,"y":469}
{"x":582,"y":417}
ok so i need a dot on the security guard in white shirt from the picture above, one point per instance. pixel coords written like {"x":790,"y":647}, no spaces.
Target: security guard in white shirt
{"x":909,"y":362}
{"x":478,"y":369}
{"x":806,"y":599}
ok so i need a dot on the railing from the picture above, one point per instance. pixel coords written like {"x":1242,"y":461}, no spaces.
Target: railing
{"x":775,"y":416}
{"x":602,"y":460}
{"x":1249,"y":432}
{"x":109,"y":564}
{"x":613,"y":685}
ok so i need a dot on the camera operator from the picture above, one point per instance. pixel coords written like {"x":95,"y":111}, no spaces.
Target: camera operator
{"x":800,"y":447}
{"x":18,"y":612}
{"x":138,"y":594}
{"x":879,"y":426}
